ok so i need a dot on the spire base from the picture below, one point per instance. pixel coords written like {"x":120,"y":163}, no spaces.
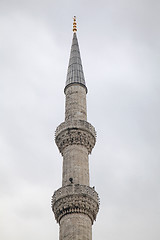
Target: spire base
{"x":70,"y":84}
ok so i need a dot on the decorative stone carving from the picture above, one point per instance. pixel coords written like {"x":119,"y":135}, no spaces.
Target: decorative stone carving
{"x":75,"y":198}
{"x":78,"y":132}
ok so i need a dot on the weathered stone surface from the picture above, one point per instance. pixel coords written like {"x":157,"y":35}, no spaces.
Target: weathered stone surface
{"x":76,"y":226}
{"x":75,"y":107}
{"x":75,"y":199}
{"x":75,"y":165}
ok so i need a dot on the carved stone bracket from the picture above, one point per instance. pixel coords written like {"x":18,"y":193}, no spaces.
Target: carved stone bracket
{"x":75,"y":132}
{"x":75,"y":199}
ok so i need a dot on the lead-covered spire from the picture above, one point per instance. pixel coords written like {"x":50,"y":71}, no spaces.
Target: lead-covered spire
{"x":75,"y":70}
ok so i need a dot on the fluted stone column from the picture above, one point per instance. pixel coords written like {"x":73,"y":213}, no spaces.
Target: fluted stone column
{"x":75,"y":204}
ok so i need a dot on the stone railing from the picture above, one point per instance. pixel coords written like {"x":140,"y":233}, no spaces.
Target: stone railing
{"x":77,"y":132}
{"x":75,"y":198}
{"x":75,"y":189}
{"x":80,"y":124}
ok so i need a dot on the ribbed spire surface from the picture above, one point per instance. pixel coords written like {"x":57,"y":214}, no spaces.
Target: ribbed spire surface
{"x":75,"y":71}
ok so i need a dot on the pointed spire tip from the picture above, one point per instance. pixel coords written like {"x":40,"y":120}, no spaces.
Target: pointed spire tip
{"x":75,"y":73}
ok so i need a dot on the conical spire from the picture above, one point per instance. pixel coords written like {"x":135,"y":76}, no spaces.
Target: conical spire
{"x":75,"y":70}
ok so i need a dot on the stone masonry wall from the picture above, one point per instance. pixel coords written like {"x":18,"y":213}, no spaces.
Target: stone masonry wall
{"x":75,"y":226}
{"x":75,"y":107}
{"x":75,"y":165}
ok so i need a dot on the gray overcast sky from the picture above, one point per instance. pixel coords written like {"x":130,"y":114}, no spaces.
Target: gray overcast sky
{"x":120,"y":49}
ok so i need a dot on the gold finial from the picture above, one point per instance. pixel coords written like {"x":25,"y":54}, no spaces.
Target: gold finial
{"x":74,"y":24}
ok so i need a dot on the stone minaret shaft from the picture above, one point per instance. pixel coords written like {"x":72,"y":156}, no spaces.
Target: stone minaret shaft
{"x":75,"y":204}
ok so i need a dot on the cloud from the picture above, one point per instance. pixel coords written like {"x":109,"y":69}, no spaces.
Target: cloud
{"x":119,"y":43}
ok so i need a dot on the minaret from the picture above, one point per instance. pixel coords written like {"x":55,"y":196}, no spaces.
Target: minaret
{"x":75,"y":204}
